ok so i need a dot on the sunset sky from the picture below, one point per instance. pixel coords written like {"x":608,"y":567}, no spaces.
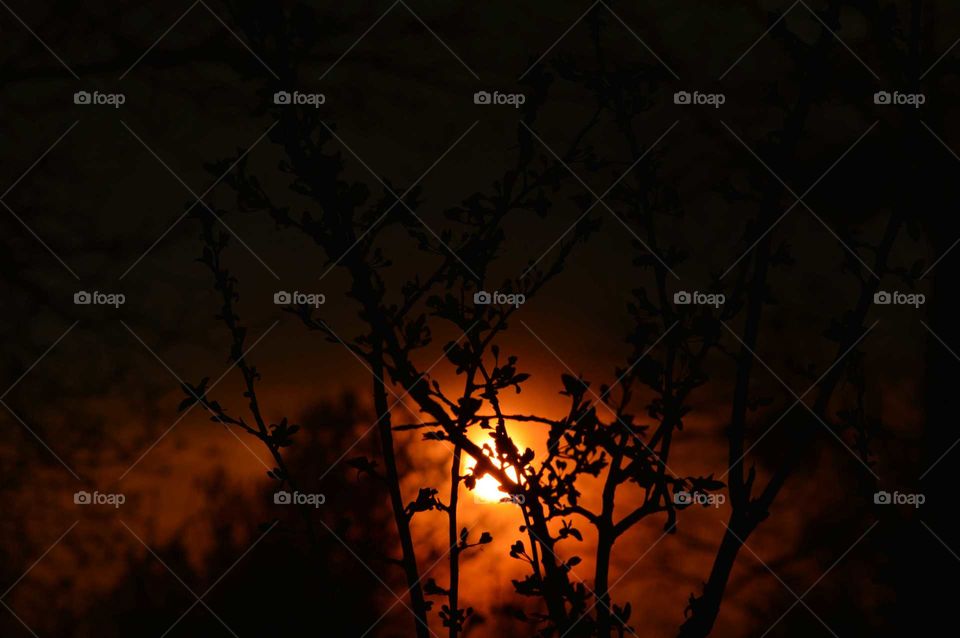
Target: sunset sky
{"x":96,"y":200}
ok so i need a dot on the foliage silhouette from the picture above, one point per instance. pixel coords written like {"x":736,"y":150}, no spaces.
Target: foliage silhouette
{"x":621,"y":435}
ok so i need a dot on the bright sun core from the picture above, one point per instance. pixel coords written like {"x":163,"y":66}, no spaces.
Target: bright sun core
{"x":488,"y":488}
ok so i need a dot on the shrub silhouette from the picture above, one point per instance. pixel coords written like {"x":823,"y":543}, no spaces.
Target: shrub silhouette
{"x":621,"y":433}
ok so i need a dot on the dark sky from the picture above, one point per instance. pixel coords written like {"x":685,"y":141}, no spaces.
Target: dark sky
{"x":96,"y":196}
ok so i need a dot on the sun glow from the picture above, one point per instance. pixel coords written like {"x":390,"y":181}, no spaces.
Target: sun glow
{"x":488,"y":489}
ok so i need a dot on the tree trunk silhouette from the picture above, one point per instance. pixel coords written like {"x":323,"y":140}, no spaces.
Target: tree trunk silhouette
{"x":602,"y":580}
{"x":705,"y":609}
{"x":454,"y":539}
{"x":408,"y":558}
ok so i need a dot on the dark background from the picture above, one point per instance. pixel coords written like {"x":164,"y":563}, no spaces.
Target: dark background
{"x":97,"y":200}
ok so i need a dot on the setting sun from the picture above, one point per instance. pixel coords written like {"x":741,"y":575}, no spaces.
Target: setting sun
{"x":487,"y":488}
